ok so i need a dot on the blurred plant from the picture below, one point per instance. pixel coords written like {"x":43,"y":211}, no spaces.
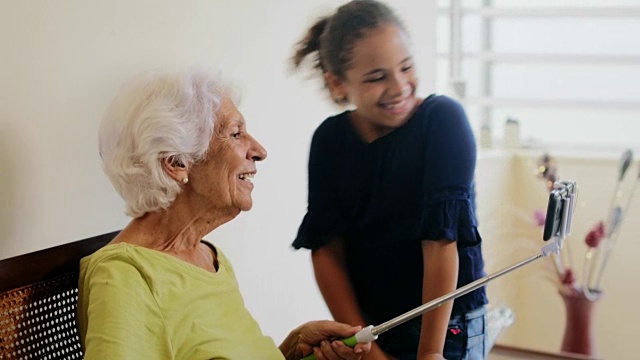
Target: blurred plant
{"x":548,"y":171}
{"x":600,"y":240}
{"x":598,"y":255}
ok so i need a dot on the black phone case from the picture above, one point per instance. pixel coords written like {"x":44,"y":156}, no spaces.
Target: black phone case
{"x":553,"y":217}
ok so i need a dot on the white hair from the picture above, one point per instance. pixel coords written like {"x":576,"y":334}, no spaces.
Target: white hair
{"x":156,"y":116}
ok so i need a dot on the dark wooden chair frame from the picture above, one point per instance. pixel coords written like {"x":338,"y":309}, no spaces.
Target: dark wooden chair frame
{"x":38,"y":301}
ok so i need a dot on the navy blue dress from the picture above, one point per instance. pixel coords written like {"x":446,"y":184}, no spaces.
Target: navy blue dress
{"x":383,"y":198}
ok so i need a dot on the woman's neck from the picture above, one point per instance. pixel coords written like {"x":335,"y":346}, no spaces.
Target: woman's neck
{"x":178,"y":229}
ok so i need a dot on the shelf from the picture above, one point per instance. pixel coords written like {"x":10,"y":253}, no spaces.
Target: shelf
{"x":499,"y":352}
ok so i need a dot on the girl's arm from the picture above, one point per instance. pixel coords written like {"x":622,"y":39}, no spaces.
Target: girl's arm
{"x":440,"y":277}
{"x":450,"y":160}
{"x":335,"y":286}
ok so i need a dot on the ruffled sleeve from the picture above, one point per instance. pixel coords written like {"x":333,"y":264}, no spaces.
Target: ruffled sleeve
{"x":325,"y":218}
{"x":450,"y":214}
{"x":448,"y":203}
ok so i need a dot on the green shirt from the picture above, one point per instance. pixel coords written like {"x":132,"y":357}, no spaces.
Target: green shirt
{"x":138,"y":303}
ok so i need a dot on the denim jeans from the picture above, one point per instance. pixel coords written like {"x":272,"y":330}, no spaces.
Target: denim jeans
{"x":466,"y":338}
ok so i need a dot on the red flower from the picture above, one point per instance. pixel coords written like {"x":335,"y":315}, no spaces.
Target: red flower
{"x":568,"y":278}
{"x":539,"y":217}
{"x":596,"y":235}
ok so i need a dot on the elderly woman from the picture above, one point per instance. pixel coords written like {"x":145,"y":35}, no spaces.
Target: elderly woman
{"x":177,"y":150}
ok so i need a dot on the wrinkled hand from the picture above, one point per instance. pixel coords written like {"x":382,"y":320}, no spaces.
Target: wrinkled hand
{"x":323,"y":339}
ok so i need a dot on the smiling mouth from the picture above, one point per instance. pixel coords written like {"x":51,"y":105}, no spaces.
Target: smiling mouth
{"x":246,"y":176}
{"x":395,"y":105}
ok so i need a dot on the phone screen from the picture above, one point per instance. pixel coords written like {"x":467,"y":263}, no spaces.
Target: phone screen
{"x":553,"y":219}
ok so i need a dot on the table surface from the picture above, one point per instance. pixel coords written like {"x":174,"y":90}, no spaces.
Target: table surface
{"x":505,"y":352}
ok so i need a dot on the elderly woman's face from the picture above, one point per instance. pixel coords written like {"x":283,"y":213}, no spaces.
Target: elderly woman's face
{"x":225,"y":176}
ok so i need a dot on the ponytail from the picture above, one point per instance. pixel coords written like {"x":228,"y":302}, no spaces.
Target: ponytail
{"x":311,"y":44}
{"x":332,"y":38}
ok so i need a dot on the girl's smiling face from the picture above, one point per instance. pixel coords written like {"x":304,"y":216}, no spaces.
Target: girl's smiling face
{"x":380,"y":80}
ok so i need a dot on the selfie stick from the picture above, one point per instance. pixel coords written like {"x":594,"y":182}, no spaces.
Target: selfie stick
{"x":559,"y":214}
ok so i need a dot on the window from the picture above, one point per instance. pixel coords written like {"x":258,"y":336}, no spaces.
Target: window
{"x":567,"y":70}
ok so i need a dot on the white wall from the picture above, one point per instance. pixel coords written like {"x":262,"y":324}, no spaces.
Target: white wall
{"x":62,"y":62}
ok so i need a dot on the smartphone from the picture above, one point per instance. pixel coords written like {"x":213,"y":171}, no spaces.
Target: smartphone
{"x":560,"y":208}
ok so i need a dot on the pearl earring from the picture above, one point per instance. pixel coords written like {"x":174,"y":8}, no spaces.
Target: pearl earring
{"x":185,"y":180}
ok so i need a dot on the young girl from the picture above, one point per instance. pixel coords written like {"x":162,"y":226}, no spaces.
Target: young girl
{"x":390,"y":219}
